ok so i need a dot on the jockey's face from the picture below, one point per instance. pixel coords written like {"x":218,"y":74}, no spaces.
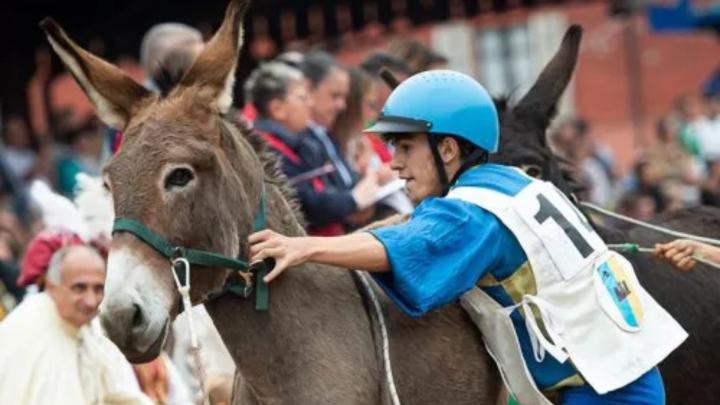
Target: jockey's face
{"x":414,"y":162}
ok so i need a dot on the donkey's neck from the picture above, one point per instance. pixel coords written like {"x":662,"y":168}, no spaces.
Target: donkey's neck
{"x":316,"y":327}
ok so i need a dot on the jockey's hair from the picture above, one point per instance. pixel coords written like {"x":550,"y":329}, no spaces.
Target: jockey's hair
{"x":270,"y":82}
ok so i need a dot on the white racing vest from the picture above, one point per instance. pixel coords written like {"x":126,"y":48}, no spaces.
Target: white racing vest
{"x":593,"y":309}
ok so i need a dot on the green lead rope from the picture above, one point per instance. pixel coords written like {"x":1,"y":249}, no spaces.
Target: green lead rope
{"x":261,"y":269}
{"x":262,"y":292}
{"x":629,"y":248}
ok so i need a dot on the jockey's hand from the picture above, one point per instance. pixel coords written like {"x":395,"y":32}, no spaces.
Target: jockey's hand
{"x":287,"y":251}
{"x":679,"y":253}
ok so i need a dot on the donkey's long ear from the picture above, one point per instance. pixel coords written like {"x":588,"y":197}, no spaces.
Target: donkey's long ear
{"x":541,"y":100}
{"x":213,"y":72}
{"x":115,"y":95}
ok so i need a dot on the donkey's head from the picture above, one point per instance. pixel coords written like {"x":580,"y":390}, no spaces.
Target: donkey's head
{"x":523,"y":126}
{"x":177,"y":173}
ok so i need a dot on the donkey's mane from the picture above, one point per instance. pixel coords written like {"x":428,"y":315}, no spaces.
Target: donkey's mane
{"x":270,"y":161}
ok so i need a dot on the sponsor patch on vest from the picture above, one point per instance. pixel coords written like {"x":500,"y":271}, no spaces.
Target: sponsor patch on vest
{"x":617,"y":292}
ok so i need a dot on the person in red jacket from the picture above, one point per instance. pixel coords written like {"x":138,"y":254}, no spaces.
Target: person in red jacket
{"x":279,"y":94}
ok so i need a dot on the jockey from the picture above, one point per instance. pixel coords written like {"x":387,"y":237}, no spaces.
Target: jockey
{"x":558,"y":310}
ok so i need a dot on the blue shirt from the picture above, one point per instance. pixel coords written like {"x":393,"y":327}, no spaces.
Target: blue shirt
{"x":448,"y":246}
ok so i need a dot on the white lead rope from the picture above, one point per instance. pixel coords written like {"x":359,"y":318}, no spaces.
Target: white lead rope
{"x":648,"y":225}
{"x":389,"y":376}
{"x":633,"y":247}
{"x":194,"y":344}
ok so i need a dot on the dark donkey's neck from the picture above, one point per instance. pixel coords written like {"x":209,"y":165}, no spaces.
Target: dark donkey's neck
{"x":314,"y":345}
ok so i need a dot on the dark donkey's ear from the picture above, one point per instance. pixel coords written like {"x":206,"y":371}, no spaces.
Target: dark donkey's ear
{"x":541,"y":100}
{"x":213,"y":73}
{"x":115,"y":95}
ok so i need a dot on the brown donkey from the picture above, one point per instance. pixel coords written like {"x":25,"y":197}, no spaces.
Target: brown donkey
{"x":194,"y":177}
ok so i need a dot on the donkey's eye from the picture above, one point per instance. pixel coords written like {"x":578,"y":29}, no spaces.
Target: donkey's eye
{"x":533,"y":171}
{"x":179,"y":177}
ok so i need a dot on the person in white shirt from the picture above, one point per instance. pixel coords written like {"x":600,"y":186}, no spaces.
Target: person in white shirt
{"x":52,"y":354}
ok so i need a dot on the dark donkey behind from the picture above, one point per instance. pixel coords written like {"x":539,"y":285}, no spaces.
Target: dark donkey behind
{"x":691,"y":373}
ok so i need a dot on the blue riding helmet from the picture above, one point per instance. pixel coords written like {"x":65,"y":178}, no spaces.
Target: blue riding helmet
{"x":442,"y":102}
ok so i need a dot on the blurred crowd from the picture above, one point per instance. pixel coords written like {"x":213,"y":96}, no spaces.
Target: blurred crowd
{"x":679,"y":168}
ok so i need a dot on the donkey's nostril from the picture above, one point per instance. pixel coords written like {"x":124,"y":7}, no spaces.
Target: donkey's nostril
{"x":138,"y":318}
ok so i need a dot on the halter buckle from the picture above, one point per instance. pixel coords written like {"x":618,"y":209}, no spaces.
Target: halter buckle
{"x":247,"y":278}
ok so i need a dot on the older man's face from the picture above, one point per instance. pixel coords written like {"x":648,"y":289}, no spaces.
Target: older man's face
{"x":80,"y":291}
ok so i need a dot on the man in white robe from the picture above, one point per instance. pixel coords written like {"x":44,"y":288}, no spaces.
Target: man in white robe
{"x":49,"y":352}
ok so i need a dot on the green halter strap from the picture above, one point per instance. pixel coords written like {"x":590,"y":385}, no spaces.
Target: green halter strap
{"x":241,"y":286}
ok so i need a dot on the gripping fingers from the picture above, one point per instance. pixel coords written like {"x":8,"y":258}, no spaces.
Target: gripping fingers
{"x":260,"y":236}
{"x":686,"y":263}
{"x":259,"y":247}
{"x":280,"y":266}
{"x":679,"y":256}
{"x":274,"y":252}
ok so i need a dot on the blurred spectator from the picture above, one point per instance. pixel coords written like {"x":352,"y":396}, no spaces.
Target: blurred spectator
{"x":360,"y":110}
{"x":279,"y":94}
{"x":646,"y":182}
{"x":638,"y":205}
{"x":705,"y":127}
{"x":163,"y":39}
{"x":677,"y":171}
{"x":216,"y":359}
{"x":329,"y":87}
{"x":417,"y":56}
{"x":711,"y":87}
{"x":681,"y":118}
{"x":51,"y":353}
{"x":572,"y":141}
{"x":19,"y":154}
{"x":710,"y":191}
{"x":167,"y":50}
{"x":85,"y":155}
{"x":10,"y":291}
{"x":291,"y":58}
{"x":358,"y":147}
{"x":374,"y":63}
{"x":160,"y":380}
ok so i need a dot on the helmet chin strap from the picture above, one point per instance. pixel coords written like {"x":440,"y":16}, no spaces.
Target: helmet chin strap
{"x":477,"y":157}
{"x":433,"y":141}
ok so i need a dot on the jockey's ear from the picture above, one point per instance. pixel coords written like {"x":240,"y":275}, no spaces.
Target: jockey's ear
{"x":449,"y":150}
{"x":213,"y":73}
{"x":115,"y":95}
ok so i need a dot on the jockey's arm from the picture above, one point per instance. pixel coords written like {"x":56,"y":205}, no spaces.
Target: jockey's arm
{"x":360,"y":251}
